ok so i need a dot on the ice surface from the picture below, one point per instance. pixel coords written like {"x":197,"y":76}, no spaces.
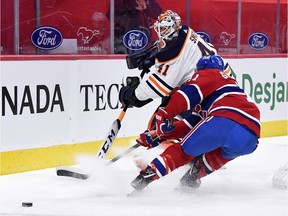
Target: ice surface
{"x":243,"y":188}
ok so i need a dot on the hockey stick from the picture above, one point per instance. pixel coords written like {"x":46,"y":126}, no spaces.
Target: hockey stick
{"x":75,"y":173}
{"x":143,"y":61}
{"x":123,"y":154}
{"x":112,"y":133}
{"x":116,"y":125}
{"x":110,"y":137}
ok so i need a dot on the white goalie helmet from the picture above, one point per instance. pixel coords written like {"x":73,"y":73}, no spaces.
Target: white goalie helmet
{"x":168,"y":25}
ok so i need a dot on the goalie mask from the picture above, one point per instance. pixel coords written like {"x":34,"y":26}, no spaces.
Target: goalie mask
{"x":167,"y":25}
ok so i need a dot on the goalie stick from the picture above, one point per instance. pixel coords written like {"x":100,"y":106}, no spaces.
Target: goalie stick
{"x":116,"y":125}
{"x":110,"y":137}
{"x":76,"y":173}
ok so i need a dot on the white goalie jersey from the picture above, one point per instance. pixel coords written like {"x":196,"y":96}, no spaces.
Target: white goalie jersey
{"x":175,"y":65}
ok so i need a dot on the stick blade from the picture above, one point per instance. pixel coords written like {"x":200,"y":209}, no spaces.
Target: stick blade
{"x":71,"y":172}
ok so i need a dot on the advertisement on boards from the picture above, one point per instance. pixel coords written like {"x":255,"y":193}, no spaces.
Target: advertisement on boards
{"x":45,"y":103}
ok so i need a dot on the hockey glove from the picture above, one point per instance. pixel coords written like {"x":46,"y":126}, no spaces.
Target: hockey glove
{"x":149,"y":139}
{"x":167,"y":126}
{"x":163,"y":124}
{"x":131,"y":81}
{"x":127,"y":93}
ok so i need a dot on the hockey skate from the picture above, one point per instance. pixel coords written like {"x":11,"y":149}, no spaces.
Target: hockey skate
{"x":145,"y":177}
{"x":190,"y":178}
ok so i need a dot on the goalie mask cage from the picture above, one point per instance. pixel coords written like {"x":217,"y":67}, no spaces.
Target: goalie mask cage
{"x":280,"y":177}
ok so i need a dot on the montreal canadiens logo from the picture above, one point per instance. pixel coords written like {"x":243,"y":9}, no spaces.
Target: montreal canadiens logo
{"x":258,"y":41}
{"x":135,"y":40}
{"x":205,"y":36}
{"x":46,"y":38}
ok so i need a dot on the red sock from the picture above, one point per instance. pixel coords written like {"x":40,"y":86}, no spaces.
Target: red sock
{"x":210,"y":162}
{"x":172,"y":158}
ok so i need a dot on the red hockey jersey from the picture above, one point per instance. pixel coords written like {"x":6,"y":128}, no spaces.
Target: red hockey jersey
{"x":211,"y":92}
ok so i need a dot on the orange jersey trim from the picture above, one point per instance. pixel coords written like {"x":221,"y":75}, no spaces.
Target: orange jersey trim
{"x":158,"y":86}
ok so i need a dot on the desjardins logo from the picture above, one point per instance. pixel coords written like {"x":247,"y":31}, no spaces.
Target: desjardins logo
{"x":268,"y":92}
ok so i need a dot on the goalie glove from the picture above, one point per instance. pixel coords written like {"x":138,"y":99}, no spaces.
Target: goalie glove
{"x":149,"y":139}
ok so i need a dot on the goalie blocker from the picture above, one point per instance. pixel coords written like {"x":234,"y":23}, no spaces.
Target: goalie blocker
{"x":127,"y":92}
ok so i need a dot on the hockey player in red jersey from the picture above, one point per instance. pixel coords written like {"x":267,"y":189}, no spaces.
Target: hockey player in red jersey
{"x":224,"y":125}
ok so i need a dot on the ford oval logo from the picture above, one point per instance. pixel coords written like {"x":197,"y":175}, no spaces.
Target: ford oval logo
{"x":258,"y":41}
{"x":205,"y":36}
{"x":135,"y":40}
{"x":46,"y":38}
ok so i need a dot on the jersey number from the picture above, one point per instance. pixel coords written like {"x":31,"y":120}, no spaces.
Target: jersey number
{"x":162,"y":69}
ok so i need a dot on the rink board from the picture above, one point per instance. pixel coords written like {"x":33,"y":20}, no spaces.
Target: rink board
{"x":56,"y":109}
{"x":41,"y":158}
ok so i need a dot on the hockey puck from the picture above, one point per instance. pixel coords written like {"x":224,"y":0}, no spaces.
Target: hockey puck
{"x":27,"y":204}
